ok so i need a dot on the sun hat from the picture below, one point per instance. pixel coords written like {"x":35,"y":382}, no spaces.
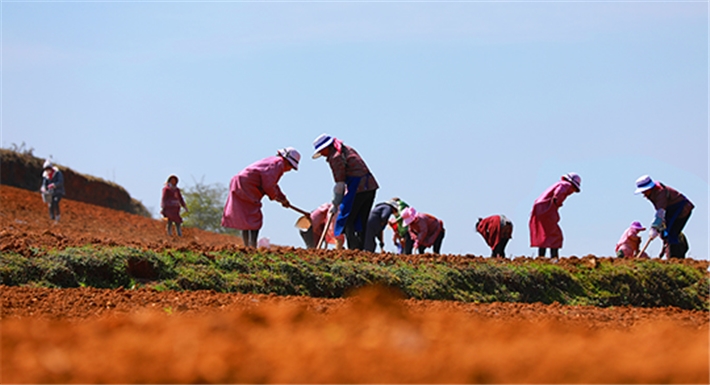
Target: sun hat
{"x":47,"y":164}
{"x":291,"y":155}
{"x":637,"y":225}
{"x":573,"y":178}
{"x":321,"y":142}
{"x":644,"y":183}
{"x":408,"y":215}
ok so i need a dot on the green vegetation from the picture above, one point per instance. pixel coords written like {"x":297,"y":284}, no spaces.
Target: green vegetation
{"x":645,"y":283}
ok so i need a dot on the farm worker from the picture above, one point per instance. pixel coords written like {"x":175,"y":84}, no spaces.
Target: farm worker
{"x":496,"y":231}
{"x":628,"y":245}
{"x":376,"y":223}
{"x":401,"y":237}
{"x":682,"y":248}
{"x":673,"y":210}
{"x":425,"y":229}
{"x":170,"y":204}
{"x":544,"y":218}
{"x":312,"y":235}
{"x":52,"y":188}
{"x":246,"y":189}
{"x":354,"y":191}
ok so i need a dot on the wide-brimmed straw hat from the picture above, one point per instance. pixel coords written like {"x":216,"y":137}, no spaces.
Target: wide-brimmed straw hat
{"x":321,"y":142}
{"x":291,"y":155}
{"x":644,"y":183}
{"x":575,"y":179}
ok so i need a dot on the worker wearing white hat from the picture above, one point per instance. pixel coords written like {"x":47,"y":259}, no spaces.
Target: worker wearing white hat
{"x":246,"y":189}
{"x":354,"y":191}
{"x":52,"y":188}
{"x":545,"y":231}
{"x":673,"y":210}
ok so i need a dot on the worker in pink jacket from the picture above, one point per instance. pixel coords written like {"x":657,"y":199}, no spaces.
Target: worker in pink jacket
{"x":496,"y":230}
{"x":246,"y":189}
{"x":170,"y":202}
{"x":629,"y":243}
{"x":312,"y":235}
{"x":545,"y":231}
{"x":425,"y":229}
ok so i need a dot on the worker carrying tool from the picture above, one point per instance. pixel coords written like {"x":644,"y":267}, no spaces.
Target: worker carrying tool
{"x":496,"y":230}
{"x":545,"y":231}
{"x":313,"y":230}
{"x":630,"y":242}
{"x":246,"y":189}
{"x":354,"y":191}
{"x":673,"y":210}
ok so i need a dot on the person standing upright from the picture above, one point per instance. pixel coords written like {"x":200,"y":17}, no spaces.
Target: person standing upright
{"x":673,"y":210}
{"x":170,"y":203}
{"x":354,"y":191}
{"x":545,"y":231}
{"x":52,"y":188}
{"x":246,"y":189}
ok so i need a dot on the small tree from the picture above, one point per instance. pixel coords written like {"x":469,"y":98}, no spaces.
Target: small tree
{"x":205,"y":203}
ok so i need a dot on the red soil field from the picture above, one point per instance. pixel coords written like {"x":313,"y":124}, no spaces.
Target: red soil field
{"x":89,"y":335}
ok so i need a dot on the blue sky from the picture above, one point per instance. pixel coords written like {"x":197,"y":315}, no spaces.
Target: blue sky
{"x":462,"y":109}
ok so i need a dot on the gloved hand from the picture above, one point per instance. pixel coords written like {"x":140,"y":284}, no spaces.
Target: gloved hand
{"x":285,"y":203}
{"x":333,"y":209}
{"x":653,"y":233}
{"x":51,"y":186}
{"x":338,"y":193}
{"x":659,"y":221}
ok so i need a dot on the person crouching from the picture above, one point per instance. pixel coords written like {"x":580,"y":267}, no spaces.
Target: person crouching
{"x":425,"y":229}
{"x":628,"y":245}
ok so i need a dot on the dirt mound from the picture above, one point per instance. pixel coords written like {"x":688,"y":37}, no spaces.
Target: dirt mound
{"x":25,"y":171}
{"x":141,"y":336}
{"x":25,"y":223}
{"x":89,"y":335}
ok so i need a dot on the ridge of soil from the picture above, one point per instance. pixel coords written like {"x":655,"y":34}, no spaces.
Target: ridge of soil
{"x":89,"y":335}
{"x":124,"y":336}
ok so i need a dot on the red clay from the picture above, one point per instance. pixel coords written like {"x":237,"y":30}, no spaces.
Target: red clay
{"x":142,"y":336}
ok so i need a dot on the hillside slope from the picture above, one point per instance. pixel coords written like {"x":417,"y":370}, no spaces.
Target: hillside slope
{"x":25,"y":171}
{"x":25,"y":224}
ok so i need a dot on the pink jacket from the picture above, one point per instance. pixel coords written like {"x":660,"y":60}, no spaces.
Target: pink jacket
{"x":629,"y":243}
{"x":170,"y":203}
{"x":425,"y":229}
{"x":246,"y":189}
{"x":318,"y":218}
{"x":544,"y":218}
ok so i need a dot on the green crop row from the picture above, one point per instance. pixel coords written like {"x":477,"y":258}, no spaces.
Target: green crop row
{"x":645,"y":283}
